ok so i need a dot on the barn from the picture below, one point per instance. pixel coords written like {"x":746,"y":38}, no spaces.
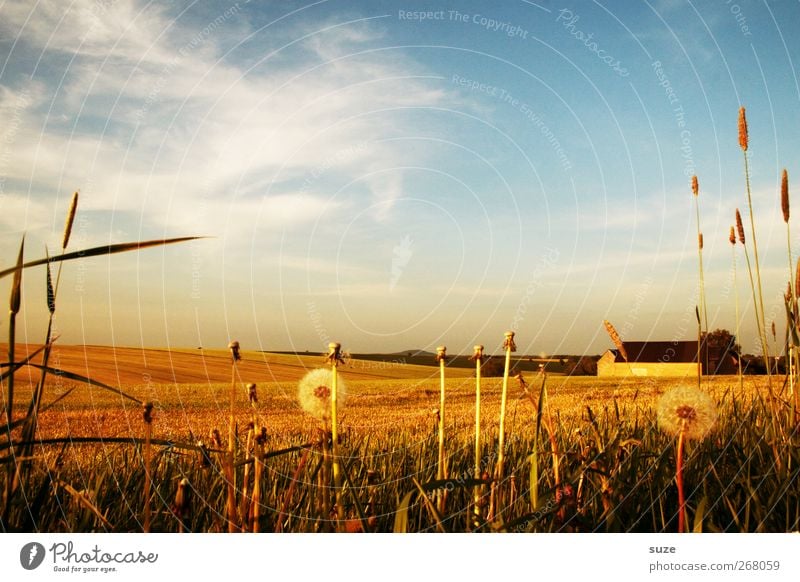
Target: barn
{"x":664,"y":358}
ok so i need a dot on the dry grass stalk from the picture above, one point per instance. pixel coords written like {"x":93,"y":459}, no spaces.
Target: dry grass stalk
{"x":441,"y":358}
{"x":147,"y":416}
{"x":244,"y":511}
{"x":703,"y":305}
{"x":758,"y":298}
{"x":732,"y":239}
{"x":230,"y":473}
{"x":255,"y":506}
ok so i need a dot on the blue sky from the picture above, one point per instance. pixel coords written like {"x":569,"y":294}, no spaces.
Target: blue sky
{"x":393,"y":179}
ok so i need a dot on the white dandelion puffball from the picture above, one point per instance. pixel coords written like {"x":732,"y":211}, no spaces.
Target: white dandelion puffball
{"x":314,"y":393}
{"x":686,"y":409}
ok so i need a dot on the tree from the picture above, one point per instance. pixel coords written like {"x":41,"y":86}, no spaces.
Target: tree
{"x":721,"y":352}
{"x":724,"y":340}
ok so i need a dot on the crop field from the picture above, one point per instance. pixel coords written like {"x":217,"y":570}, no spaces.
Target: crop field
{"x":581,"y":454}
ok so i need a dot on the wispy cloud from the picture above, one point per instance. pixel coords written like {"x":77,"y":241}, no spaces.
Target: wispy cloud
{"x":153,"y":117}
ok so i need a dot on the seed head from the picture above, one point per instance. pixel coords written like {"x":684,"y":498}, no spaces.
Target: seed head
{"x":785,"y":196}
{"x":234,"y":348}
{"x":739,"y":226}
{"x":688,"y":410}
{"x":182,"y":506}
{"x":216,"y":439}
{"x":732,"y":237}
{"x":695,"y":186}
{"x":477,"y":356}
{"x":252,"y":394}
{"x":314,"y":393}
{"x":612,"y":332}
{"x":147,"y":412}
{"x":441,"y":353}
{"x":335,"y":355}
{"x":742,"y":129}
{"x":73,"y":208}
{"x":700,"y":241}
{"x":508,"y":342}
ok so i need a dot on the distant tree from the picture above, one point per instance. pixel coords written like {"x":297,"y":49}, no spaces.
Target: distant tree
{"x":722,"y":338}
{"x":581,"y":366}
{"x":493,"y":367}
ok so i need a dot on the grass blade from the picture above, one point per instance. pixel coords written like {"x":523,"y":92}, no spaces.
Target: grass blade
{"x":79,"y":378}
{"x":98,"y":251}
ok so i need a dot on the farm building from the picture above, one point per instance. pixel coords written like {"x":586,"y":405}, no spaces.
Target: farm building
{"x":671,"y":358}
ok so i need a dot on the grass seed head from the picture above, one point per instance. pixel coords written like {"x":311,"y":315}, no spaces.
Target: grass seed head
{"x":739,"y":226}
{"x":216,"y":438}
{"x":700,"y":241}
{"x":252,"y":394}
{"x":233,"y":346}
{"x":441,"y":353}
{"x":508,"y":342}
{"x":147,"y":412}
{"x":785,"y":196}
{"x":73,"y":208}
{"x":612,"y":333}
{"x":695,"y":186}
{"x":742,"y":130}
{"x":732,"y":236}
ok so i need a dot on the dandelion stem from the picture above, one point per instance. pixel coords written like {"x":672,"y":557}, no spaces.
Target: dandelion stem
{"x":337,"y":477}
{"x":478,"y":357}
{"x":509,"y":347}
{"x":679,"y":481}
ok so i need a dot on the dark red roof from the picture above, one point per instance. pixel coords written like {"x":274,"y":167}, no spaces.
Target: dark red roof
{"x":677,"y":352}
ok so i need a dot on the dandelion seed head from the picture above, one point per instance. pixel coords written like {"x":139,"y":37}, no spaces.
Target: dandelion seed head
{"x":314,"y":393}
{"x":686,"y":409}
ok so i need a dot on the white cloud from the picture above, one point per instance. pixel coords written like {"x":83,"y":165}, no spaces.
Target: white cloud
{"x":153,"y":128}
